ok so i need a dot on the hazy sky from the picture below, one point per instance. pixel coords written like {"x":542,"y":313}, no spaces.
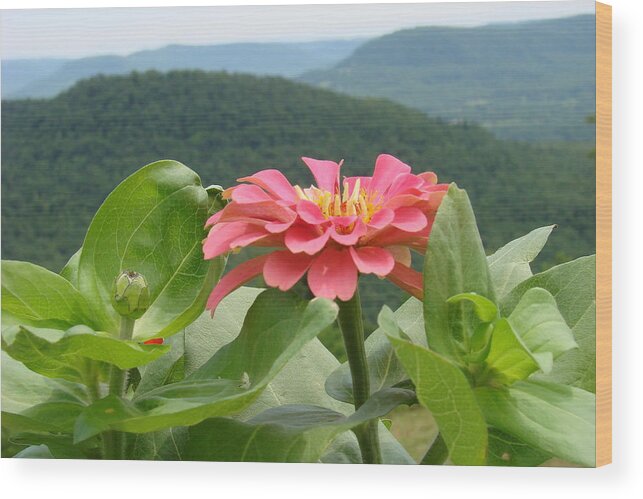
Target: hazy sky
{"x":72,"y":33}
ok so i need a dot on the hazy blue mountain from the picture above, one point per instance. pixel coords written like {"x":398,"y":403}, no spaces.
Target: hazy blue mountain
{"x":531,"y":80}
{"x":16,"y":74}
{"x":48,"y":77}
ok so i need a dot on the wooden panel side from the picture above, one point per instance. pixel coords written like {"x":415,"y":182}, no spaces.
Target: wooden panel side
{"x":603,"y":234}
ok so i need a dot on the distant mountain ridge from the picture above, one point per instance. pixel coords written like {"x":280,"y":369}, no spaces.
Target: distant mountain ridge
{"x":531,"y":80}
{"x":41,"y":78}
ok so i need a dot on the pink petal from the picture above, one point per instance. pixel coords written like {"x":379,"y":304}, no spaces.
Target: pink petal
{"x":401,"y":254}
{"x":407,"y":279}
{"x":246,"y":193}
{"x":283,"y":269}
{"x":333,"y":275}
{"x":274,"y":182}
{"x":387,"y":168}
{"x":409,"y":219}
{"x":381,"y":218}
{"x":221,"y":236}
{"x":406,"y":184}
{"x":351,"y":238}
{"x":310,"y":212}
{"x":214,"y":219}
{"x":238,"y":276}
{"x":306,"y":239}
{"x":326,"y":173}
{"x":264,"y":211}
{"x":278,"y":227}
{"x":429,"y":177}
{"x":372,"y":260}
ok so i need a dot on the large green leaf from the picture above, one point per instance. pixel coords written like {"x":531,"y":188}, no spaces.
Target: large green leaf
{"x":573,"y":285}
{"x":70,"y":270}
{"x":541,"y":326}
{"x":509,"y":266}
{"x":289,"y":433}
{"x":31,"y":402}
{"x":455,"y":263}
{"x":384,"y":368}
{"x":152,"y":223}
{"x":557,"y":419}
{"x":530,"y":339}
{"x":443,"y":389}
{"x":301,"y":381}
{"x":61,"y":354}
{"x":276,"y":327}
{"x":509,"y":358}
{"x":35,"y":296}
{"x":505,"y":450}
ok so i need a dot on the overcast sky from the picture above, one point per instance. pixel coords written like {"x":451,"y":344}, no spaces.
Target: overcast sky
{"x":73,"y":33}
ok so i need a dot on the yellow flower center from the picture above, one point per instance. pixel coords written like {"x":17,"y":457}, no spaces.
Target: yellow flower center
{"x":349,"y":202}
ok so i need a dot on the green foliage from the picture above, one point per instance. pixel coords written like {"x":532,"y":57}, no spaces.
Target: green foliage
{"x":165,"y":203}
{"x":573,"y":285}
{"x":455,"y":263}
{"x":509,"y":266}
{"x":558,"y":419}
{"x":38,"y":297}
{"x":229,"y":381}
{"x":288,"y":433}
{"x":384,"y":369}
{"x":62,"y":354}
{"x":481,"y":363}
{"x":443,"y":389}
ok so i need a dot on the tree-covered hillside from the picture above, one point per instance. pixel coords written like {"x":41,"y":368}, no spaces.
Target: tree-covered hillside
{"x":530,"y":80}
{"x":61,"y":157}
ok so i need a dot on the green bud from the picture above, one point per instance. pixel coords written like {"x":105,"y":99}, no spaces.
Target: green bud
{"x":131,"y":296}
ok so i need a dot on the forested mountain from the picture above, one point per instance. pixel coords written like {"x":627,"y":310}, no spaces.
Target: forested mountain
{"x":62,"y":156}
{"x":47,"y":77}
{"x":530,"y":80}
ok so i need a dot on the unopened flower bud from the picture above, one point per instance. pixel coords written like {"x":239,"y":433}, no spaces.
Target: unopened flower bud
{"x":131,"y":296}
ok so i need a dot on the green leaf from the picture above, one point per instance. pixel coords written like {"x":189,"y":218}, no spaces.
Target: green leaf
{"x":455,"y":263}
{"x":541,"y":327}
{"x":35,"y":452}
{"x":289,"y":433}
{"x":505,"y":450}
{"x":509,"y":266}
{"x":35,"y":296}
{"x":31,"y":402}
{"x":557,"y":419}
{"x":152,"y":223}
{"x":70,"y":270}
{"x":59,"y":354}
{"x":509,"y":358}
{"x":485,"y":309}
{"x":301,"y":381}
{"x":385,"y":370}
{"x":573,"y":285}
{"x":443,"y":389}
{"x":276,"y":327}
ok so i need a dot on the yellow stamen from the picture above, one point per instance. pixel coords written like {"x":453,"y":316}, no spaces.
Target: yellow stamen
{"x":300,"y":193}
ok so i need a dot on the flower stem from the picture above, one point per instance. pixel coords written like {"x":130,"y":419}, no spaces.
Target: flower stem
{"x":114,"y":441}
{"x":352,"y":327}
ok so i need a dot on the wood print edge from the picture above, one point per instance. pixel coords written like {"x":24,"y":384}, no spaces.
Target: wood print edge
{"x":603,"y":234}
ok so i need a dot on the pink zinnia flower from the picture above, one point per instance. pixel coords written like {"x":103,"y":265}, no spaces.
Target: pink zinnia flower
{"x":332,"y":231}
